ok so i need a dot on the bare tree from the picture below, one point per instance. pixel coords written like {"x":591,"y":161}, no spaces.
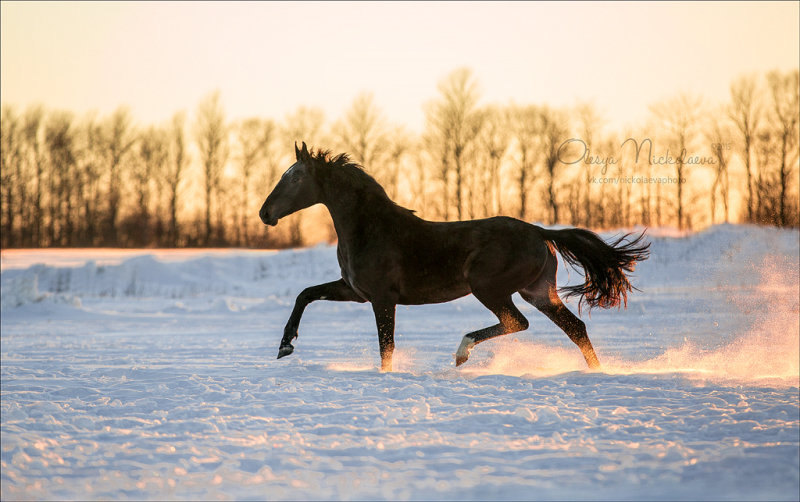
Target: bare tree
{"x":765,"y":184}
{"x":679,"y":116}
{"x":475,"y":169}
{"x":494,"y":140}
{"x":719,"y":135}
{"x":363,"y":131}
{"x":610,"y":206}
{"x":60,"y":141}
{"x":453,"y":123}
{"x":119,"y":138}
{"x":254,"y":137}
{"x":589,"y":122}
{"x":90,"y":171}
{"x":151,"y":156}
{"x":24,"y":177}
{"x":554,"y":132}
{"x":526,"y":126}
{"x":9,"y":173}
{"x":304,"y":124}
{"x":784,"y":90}
{"x":419,"y":175}
{"x":211,"y":135}
{"x":746,"y":115}
{"x":438,"y":147}
{"x":366,"y":136}
{"x":172,"y":172}
{"x":398,"y":147}
{"x":34,"y":155}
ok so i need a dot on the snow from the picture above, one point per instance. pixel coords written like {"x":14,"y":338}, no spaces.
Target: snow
{"x":152,"y":375}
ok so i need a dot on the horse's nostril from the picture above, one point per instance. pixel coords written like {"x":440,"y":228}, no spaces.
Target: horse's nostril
{"x":266,"y":218}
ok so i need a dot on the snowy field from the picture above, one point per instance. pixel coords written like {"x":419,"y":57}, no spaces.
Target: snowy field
{"x":152,"y":375}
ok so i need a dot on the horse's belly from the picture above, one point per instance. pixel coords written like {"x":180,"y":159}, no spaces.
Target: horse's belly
{"x":413,"y":294}
{"x":417,"y":280}
{"x":433,"y":298}
{"x":422,"y":293}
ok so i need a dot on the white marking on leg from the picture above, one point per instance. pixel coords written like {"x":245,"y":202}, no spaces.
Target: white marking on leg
{"x":463,"y":350}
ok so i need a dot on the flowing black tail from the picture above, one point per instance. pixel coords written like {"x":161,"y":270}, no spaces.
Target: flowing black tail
{"x":605,"y":265}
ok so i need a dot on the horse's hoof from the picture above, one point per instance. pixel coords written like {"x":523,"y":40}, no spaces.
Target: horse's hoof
{"x":462,"y":354}
{"x":285,"y":350}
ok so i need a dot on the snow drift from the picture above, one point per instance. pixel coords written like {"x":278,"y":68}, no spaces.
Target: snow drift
{"x":151,"y":375}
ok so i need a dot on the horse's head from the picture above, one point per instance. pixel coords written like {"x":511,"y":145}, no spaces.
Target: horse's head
{"x":296,"y":190}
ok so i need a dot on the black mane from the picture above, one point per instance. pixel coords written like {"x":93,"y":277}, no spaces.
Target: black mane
{"x":352,"y":174}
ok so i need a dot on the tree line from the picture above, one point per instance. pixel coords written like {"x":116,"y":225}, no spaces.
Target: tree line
{"x":106,"y":181}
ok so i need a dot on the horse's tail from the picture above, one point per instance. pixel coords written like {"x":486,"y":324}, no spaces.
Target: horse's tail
{"x":605,"y":265}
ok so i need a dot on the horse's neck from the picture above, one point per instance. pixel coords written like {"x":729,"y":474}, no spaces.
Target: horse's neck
{"x":352,"y":211}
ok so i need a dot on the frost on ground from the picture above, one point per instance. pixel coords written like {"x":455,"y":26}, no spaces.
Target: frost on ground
{"x":152,"y":375}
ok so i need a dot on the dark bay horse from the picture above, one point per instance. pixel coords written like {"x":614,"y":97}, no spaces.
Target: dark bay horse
{"x":389,"y":256}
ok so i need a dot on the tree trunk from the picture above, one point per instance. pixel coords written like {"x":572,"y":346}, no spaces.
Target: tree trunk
{"x":782,"y":178}
{"x":749,"y":171}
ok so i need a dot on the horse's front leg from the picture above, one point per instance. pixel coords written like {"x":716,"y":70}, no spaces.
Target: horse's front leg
{"x":384,"y":318}
{"x":336,"y":291}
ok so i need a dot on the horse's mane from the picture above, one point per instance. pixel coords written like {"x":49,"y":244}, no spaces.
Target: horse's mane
{"x":351,"y":173}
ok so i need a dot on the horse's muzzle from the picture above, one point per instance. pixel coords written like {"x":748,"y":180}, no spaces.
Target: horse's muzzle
{"x":267,"y":218}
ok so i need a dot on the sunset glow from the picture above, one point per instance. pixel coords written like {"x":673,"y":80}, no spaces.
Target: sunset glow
{"x":269,"y":58}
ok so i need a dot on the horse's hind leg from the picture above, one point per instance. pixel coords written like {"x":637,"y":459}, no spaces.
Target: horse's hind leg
{"x":511,"y":321}
{"x":543,"y":295}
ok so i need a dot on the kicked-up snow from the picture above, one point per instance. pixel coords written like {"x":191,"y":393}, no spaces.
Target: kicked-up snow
{"x":152,"y":375}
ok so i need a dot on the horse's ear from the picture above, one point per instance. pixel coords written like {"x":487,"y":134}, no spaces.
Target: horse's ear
{"x":296,"y":151}
{"x":305,"y":150}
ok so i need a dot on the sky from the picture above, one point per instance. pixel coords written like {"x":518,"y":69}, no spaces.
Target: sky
{"x":269,"y":58}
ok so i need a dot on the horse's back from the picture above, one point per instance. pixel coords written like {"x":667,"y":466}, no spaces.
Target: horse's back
{"x":507,"y":254}
{"x":448,"y":259}
{"x":503,"y":236}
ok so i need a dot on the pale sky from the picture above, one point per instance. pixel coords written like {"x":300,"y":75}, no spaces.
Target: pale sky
{"x":269,"y":58}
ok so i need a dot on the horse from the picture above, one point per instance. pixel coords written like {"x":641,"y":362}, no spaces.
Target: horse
{"x":388,"y":256}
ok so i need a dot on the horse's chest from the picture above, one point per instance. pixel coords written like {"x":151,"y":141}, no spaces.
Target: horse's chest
{"x":349,"y":270}
{"x":358,"y":272}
